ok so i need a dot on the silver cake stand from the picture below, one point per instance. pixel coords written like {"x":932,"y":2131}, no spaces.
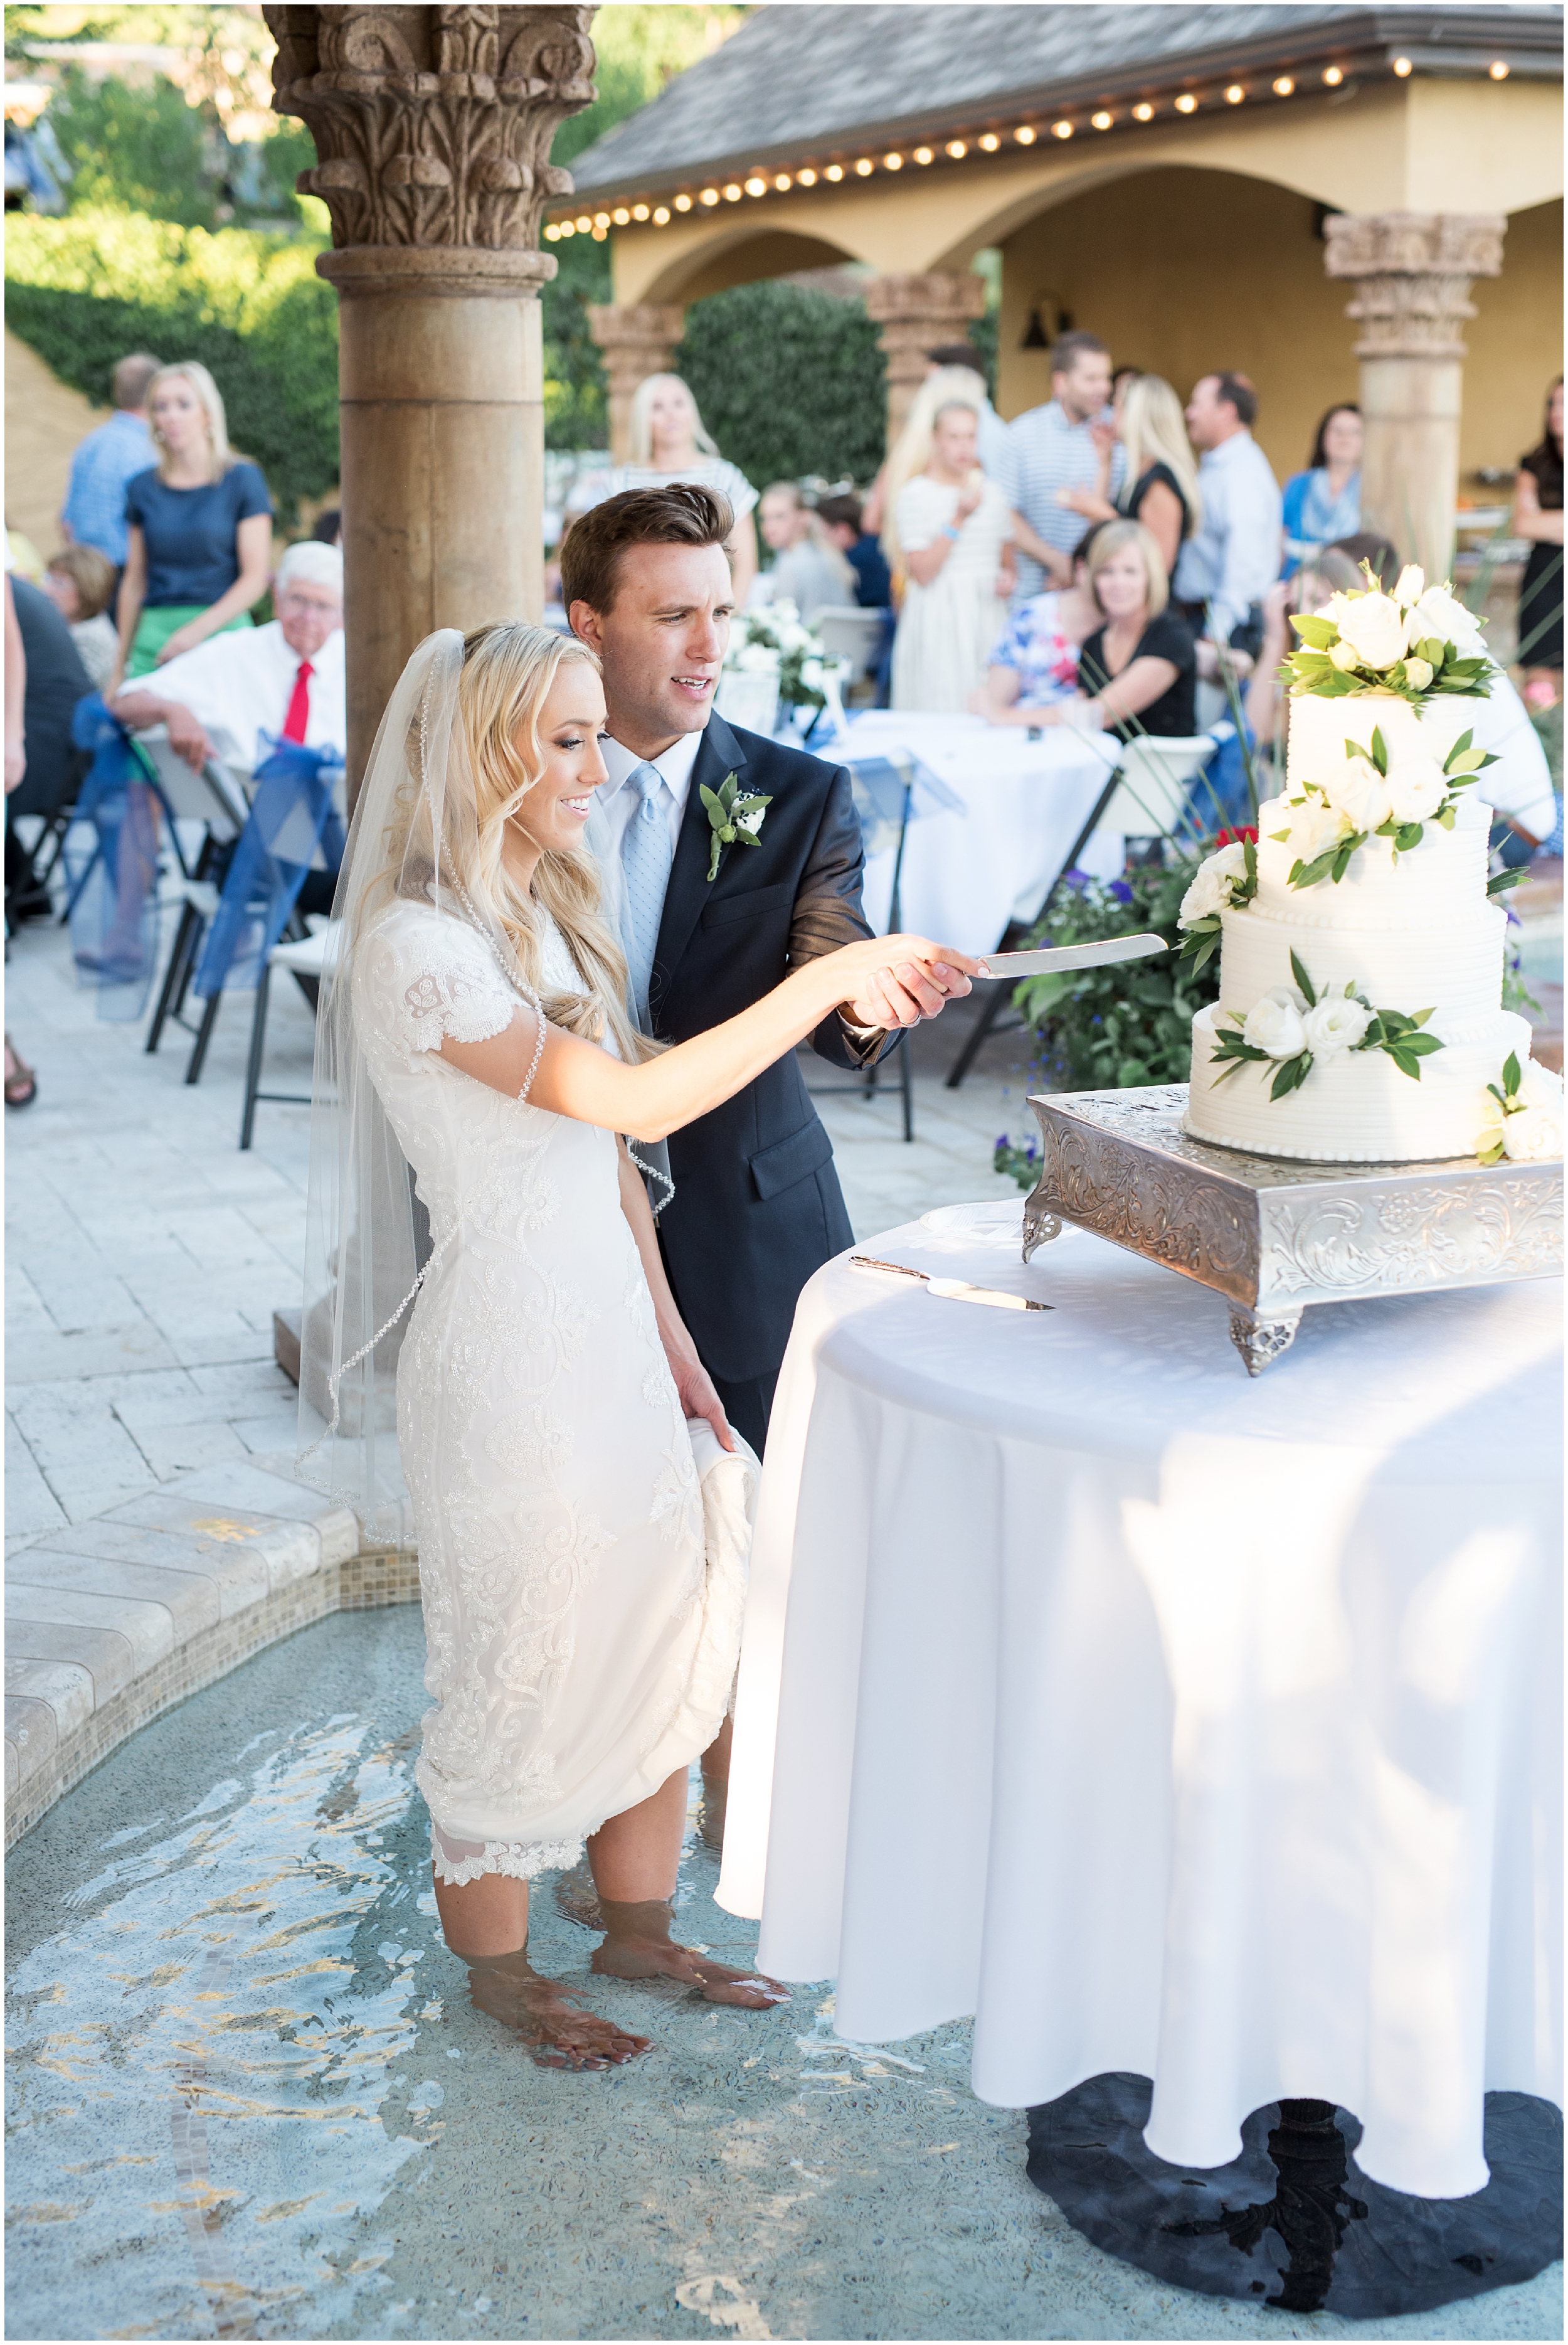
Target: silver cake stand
{"x":1273,"y":1236}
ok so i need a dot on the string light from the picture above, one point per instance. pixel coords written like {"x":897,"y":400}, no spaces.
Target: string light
{"x":1235,"y":93}
{"x":807,"y":178}
{"x":1187,"y":103}
{"x":924,"y":155}
{"x":990,"y":142}
{"x":1025,"y":136}
{"x":1402,"y":65}
{"x":1497,"y":70}
{"x":1284,"y":86}
{"x":755,"y":186}
{"x":1102,"y":120}
{"x":682,"y":203}
{"x":1144,"y":113}
{"x":551,"y":233}
{"x":1333,"y":75}
{"x":584,"y":224}
{"x":732,"y":193}
{"x":835,"y":171}
{"x":1061,"y":130}
{"x":620,"y":216}
{"x":957,"y":148}
{"x":600,"y":220}
{"x":865,"y":168}
{"x":640,"y":211}
{"x":783,"y":183}
{"x":709,"y":195}
{"x":892,"y":162}
{"x":661,"y":214}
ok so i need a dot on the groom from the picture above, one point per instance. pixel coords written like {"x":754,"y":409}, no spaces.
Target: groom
{"x":757,"y":1206}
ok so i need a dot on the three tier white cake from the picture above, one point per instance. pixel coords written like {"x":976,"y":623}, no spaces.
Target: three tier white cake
{"x":1359,"y":1018}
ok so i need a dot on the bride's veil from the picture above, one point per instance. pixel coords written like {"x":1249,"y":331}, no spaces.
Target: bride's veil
{"x":414,"y":835}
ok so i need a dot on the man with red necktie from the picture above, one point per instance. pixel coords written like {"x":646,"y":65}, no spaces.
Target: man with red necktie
{"x":284,"y":679}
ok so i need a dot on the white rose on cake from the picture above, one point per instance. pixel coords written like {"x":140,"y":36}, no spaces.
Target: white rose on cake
{"x":1533,"y":1136}
{"x":1274,"y":1023}
{"x":1313,"y":825}
{"x":1334,"y":1023}
{"x":1410,"y":586}
{"x":1438,"y":614}
{"x":1372,"y":625}
{"x":1418,"y":671}
{"x":1360,"y":794}
{"x":1415,"y":787}
{"x":1211,"y":888}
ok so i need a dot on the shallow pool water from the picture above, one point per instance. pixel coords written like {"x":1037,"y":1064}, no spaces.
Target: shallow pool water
{"x":248,"y":2096}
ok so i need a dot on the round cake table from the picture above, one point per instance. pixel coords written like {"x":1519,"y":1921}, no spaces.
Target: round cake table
{"x":1227,"y":1716}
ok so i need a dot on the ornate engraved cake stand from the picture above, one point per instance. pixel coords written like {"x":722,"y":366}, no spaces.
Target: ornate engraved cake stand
{"x":1273,"y":1236}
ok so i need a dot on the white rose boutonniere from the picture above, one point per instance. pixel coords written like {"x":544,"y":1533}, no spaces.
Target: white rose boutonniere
{"x":733,"y":820}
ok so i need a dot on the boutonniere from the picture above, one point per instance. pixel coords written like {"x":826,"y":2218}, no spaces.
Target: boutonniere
{"x":734,"y":820}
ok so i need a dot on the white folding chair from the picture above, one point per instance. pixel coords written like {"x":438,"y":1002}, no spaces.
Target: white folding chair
{"x":309,"y":959}
{"x":1150,"y":797}
{"x":849,"y":632}
{"x":213,"y":797}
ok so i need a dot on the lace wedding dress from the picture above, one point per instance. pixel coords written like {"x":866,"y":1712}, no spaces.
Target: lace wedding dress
{"x":583,"y":1548}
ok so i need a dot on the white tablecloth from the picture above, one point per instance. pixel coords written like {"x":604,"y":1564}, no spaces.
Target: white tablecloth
{"x":1165,"y":1720}
{"x":966,"y":873}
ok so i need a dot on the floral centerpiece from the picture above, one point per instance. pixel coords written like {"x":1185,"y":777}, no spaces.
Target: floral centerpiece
{"x":1418,"y":641}
{"x":775,"y":642}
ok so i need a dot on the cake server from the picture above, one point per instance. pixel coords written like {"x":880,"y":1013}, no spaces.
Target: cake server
{"x":954,"y":1290}
{"x":1046,"y":958}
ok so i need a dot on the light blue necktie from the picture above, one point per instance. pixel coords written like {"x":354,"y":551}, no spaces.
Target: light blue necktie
{"x":647,"y":851}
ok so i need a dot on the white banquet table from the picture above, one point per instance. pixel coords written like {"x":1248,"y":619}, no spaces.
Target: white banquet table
{"x":970,"y":866}
{"x":1165,"y":1720}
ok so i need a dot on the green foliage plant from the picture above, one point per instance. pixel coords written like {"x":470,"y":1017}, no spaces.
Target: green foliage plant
{"x":1109,"y":1029}
{"x":790,"y":381}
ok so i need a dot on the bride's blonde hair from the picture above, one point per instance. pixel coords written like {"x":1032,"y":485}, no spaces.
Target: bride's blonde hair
{"x":508,"y":671}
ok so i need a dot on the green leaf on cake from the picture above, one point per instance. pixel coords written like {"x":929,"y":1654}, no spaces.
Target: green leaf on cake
{"x":1378,"y":751}
{"x":1303,"y":980}
{"x":1318,"y":633}
{"x":1511,"y":1074}
{"x":1503,"y":880}
{"x":1292,"y":1074}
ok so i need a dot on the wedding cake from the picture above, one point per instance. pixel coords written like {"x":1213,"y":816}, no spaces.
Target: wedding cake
{"x":1359,"y":1018}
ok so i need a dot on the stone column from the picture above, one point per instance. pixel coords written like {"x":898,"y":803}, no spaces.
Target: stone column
{"x":1413,"y":272}
{"x":433,"y":128}
{"x":916,"y":314}
{"x":638,"y":338}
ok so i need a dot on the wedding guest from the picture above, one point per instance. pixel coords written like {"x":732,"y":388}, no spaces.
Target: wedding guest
{"x":950,"y":537}
{"x":1036,"y":664}
{"x":1055,"y":446}
{"x":1159,"y":479}
{"x":199,"y":528}
{"x":1136,"y":671}
{"x":80,"y":582}
{"x":108,"y":461}
{"x":1324,"y":503}
{"x":1233,"y":559}
{"x":844,"y":520}
{"x":992,"y":431}
{"x":808,"y":570}
{"x":21,"y":1082}
{"x":286,"y":678}
{"x":1538,"y":519}
{"x":669,"y":443}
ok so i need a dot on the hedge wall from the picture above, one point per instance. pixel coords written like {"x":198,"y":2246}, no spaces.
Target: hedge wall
{"x":790,"y":381}
{"x":85,"y":289}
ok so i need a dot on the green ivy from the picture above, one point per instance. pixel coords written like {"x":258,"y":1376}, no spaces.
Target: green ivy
{"x":85,"y":289}
{"x":1109,"y":1029}
{"x":789,"y":381}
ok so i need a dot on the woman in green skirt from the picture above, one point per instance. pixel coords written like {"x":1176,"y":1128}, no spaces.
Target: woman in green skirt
{"x":199,"y":526}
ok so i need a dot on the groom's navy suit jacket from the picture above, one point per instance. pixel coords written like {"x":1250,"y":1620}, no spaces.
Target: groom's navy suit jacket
{"x":757,"y":1206}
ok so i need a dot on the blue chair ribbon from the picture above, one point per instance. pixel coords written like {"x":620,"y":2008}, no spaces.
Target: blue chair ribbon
{"x":112,"y":880}
{"x":291,"y":815}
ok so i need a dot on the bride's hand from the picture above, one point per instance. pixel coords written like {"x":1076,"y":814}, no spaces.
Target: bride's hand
{"x":898,"y":981}
{"x":695,"y":1387}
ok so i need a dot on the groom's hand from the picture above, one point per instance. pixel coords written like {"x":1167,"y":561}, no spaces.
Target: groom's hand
{"x":903,"y":995}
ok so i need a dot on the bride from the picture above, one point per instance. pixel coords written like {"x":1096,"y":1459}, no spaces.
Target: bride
{"x":580,"y":1506}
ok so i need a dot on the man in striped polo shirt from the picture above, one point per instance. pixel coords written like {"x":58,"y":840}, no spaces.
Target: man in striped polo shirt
{"x":1051,"y":448}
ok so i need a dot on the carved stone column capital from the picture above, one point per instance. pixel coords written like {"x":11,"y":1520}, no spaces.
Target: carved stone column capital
{"x":1414,"y":271}
{"x":638,"y":338}
{"x":433,"y":128}
{"x":919,"y":312}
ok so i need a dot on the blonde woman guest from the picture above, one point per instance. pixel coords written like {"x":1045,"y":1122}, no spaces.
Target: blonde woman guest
{"x":1036,"y":664}
{"x":949,"y":537}
{"x":199,"y":526}
{"x":670,"y":442}
{"x":1161,"y":479}
{"x":1138,"y":671}
{"x":581,"y":1504}
{"x":80,"y":582}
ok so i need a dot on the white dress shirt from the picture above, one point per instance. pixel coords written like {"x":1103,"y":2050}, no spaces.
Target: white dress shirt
{"x":240,"y":684}
{"x":1234,"y":558}
{"x":618,"y":801}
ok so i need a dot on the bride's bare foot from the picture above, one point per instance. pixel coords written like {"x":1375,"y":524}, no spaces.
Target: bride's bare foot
{"x":638,"y":1945}
{"x":547,"y":2016}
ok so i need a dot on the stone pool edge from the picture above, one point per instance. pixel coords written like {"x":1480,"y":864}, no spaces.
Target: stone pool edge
{"x":111,"y":1622}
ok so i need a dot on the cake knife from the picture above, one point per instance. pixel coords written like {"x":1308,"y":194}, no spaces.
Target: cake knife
{"x":1046,"y":958}
{"x":954,"y":1289}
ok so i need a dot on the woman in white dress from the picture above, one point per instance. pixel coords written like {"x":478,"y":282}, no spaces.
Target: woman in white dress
{"x":951,"y":537}
{"x":670,"y":442}
{"x":580,"y":1506}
